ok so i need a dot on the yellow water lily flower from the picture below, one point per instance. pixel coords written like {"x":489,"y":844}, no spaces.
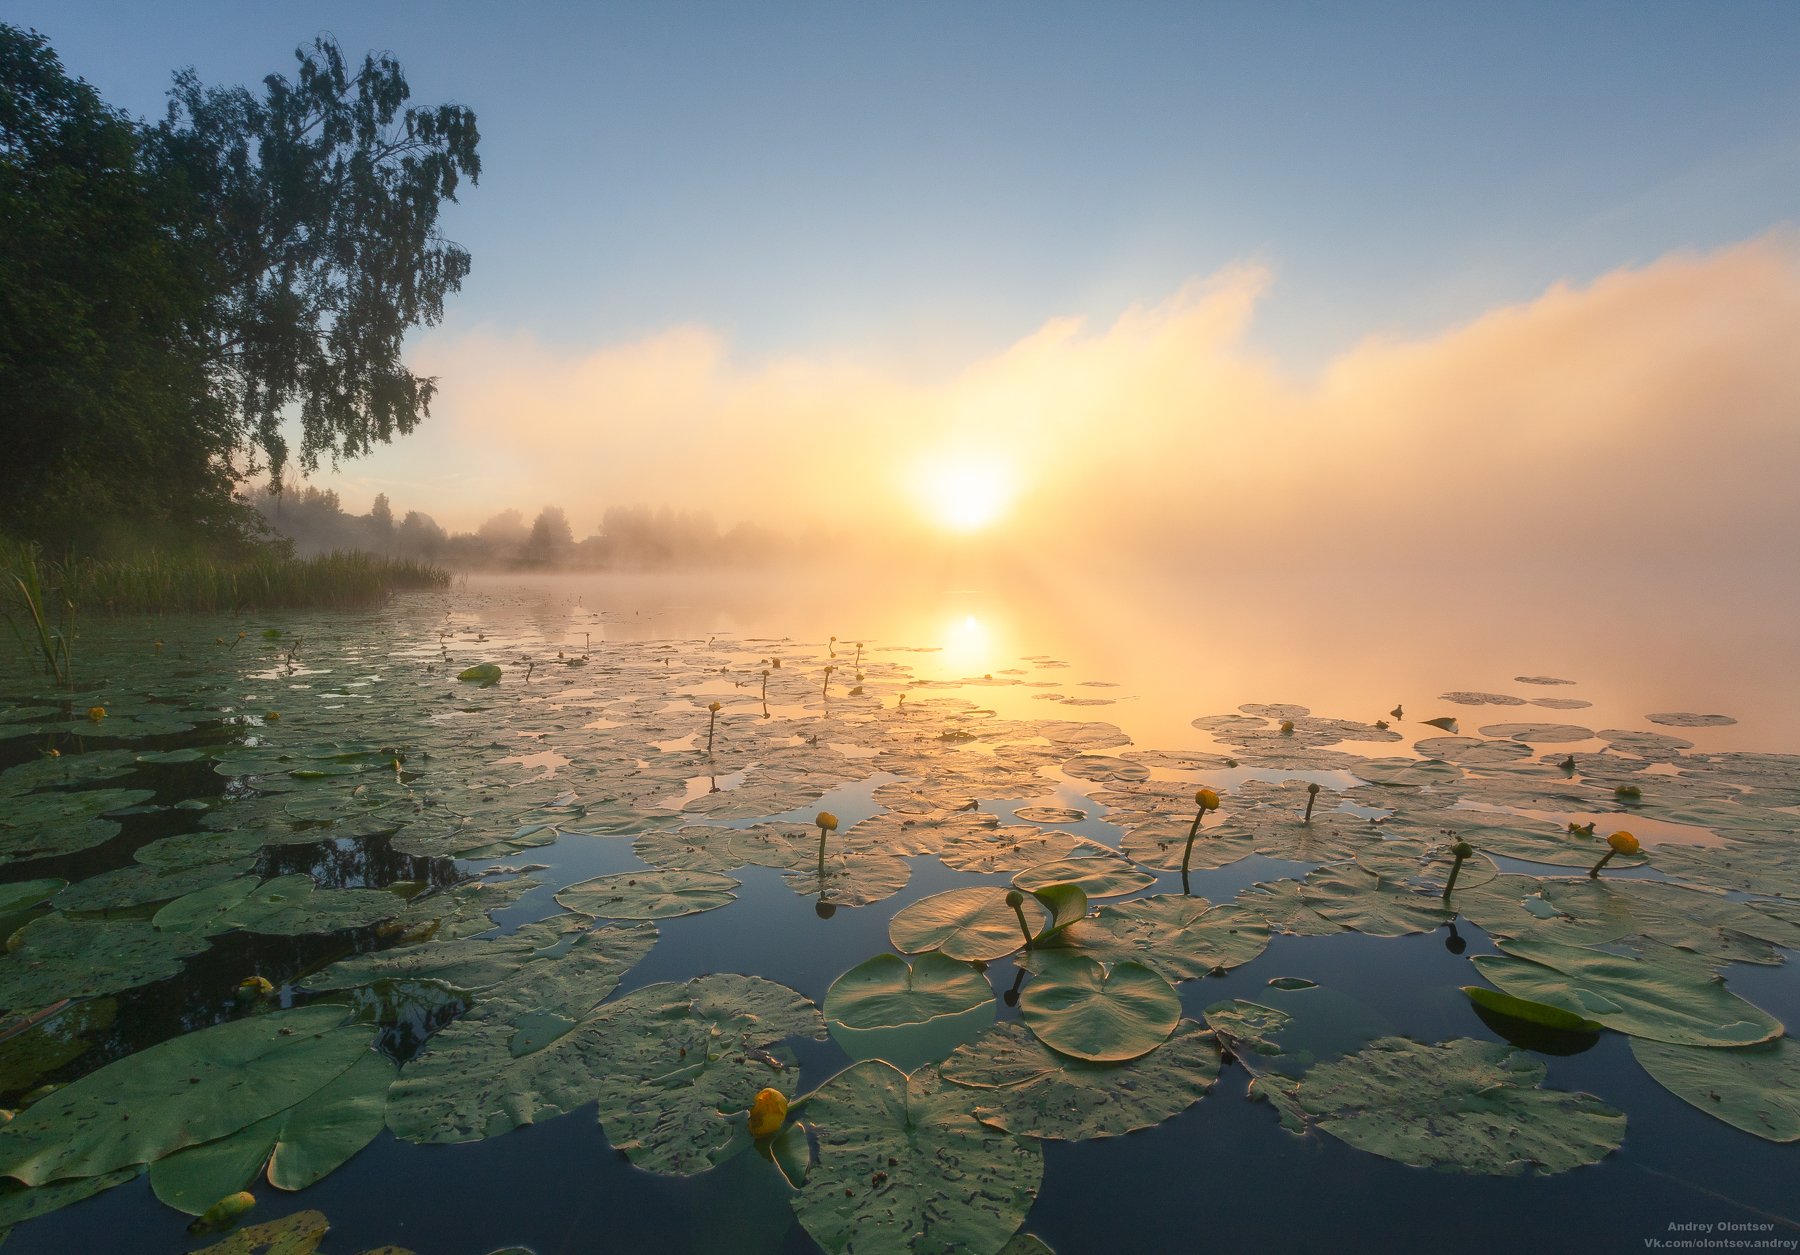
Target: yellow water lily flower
{"x":768,"y":1112}
{"x":715,"y":708}
{"x":255,"y":987}
{"x":826,"y":820}
{"x":1207,"y":799}
{"x":1620,"y":842}
{"x":96,"y":713}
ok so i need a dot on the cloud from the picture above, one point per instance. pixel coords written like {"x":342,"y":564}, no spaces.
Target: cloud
{"x":1654,"y":409}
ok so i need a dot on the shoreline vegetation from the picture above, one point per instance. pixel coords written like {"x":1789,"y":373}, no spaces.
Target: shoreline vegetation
{"x":41,"y":588}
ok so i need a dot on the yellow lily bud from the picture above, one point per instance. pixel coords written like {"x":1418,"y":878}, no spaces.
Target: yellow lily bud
{"x":224,"y":1213}
{"x":1623,"y":843}
{"x":826,"y":821}
{"x":255,"y":987}
{"x":1207,"y":799}
{"x":715,"y":708}
{"x":768,"y":1112}
{"x":96,"y":713}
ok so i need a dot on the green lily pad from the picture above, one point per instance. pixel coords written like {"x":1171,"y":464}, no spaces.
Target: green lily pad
{"x":140,"y":884}
{"x":1361,"y":900}
{"x":1531,"y":1012}
{"x":1708,"y":924}
{"x":886,"y":992}
{"x":1754,"y":1088}
{"x":484,"y":673}
{"x":1024,"y":1087}
{"x":1664,"y":994}
{"x":296,"y":1234}
{"x":54,"y":822}
{"x":287,"y":906}
{"x":665,"y":1062}
{"x":298,"y":1146}
{"x":904,"y":1167}
{"x":182,"y":1092}
{"x":695,"y":848}
{"x":22,"y":895}
{"x":649,"y":894}
{"x":1248,"y":1026}
{"x":1079,"y":1008}
{"x":1464,"y":1105}
{"x":1161,"y":844}
{"x":55,"y":956}
{"x":1280,"y":903}
{"x":849,"y":877}
{"x":1182,"y":937}
{"x":472,"y":963}
{"x":19,"y":1203}
{"x":1098,"y":876}
{"x":972,"y":923}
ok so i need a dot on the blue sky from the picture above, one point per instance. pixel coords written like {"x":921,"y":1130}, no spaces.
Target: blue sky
{"x":933,"y":179}
{"x":1375,"y":266}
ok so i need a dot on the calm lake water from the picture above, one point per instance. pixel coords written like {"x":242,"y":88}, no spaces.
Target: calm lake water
{"x":1103,"y":644}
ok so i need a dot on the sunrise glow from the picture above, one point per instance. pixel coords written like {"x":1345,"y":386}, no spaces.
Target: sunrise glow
{"x":966,"y":494}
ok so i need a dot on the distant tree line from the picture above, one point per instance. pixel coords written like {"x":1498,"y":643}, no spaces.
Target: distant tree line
{"x":626,"y":538}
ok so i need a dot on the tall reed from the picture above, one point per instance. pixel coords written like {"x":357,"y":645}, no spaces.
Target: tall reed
{"x":162,"y":583}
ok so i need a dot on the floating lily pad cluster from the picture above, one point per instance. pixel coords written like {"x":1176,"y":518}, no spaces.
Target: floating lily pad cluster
{"x":342,"y":809}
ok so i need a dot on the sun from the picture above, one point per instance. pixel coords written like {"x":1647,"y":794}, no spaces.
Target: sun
{"x":965,"y":494}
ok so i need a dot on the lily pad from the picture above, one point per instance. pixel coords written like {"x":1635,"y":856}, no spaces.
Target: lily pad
{"x":55,"y":956}
{"x":1098,"y":877}
{"x":904,"y":1167}
{"x":297,"y":1234}
{"x":19,"y":1204}
{"x":1532,"y":1012}
{"x":1182,"y":937}
{"x":1024,"y":1087}
{"x":182,"y":1092}
{"x":972,"y":923}
{"x":1361,"y":900}
{"x":1079,"y":1008}
{"x":665,"y":1062}
{"x":850,"y":877}
{"x":909,"y":1016}
{"x":299,"y":1146}
{"x":1754,"y":1088}
{"x":1464,"y":1105}
{"x":1688,"y":719}
{"x":649,"y":894}
{"x":1663,"y":994}
{"x":886,"y":991}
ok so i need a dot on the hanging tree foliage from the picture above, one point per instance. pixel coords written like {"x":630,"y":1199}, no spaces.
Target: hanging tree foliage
{"x":200,"y":288}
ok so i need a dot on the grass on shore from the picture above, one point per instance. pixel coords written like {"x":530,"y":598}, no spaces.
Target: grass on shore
{"x":176,"y":584}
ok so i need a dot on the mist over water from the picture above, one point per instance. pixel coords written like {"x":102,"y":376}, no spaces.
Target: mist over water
{"x":1179,"y":642}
